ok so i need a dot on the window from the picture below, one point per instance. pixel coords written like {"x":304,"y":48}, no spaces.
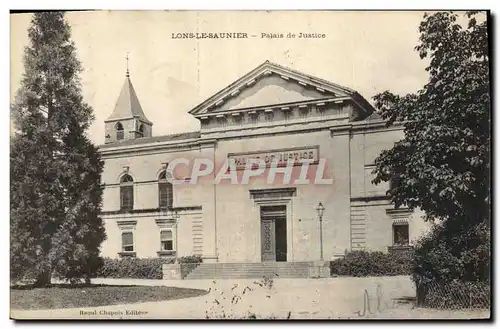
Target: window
{"x":394,"y":182}
{"x":119,"y":131}
{"x":401,"y":234}
{"x":126,"y":192}
{"x":127,"y":242}
{"x":167,"y":243}
{"x":165,"y":191}
{"x":141,"y":130}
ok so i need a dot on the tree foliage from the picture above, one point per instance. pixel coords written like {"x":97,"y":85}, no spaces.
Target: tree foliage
{"x":55,"y":169}
{"x":442,"y":165}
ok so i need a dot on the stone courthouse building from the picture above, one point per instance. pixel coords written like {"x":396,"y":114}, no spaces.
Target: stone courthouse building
{"x":273,"y":112}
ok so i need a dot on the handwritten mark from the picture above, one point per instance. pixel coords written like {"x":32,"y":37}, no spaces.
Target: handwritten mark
{"x":366,"y":304}
{"x":380,"y":302}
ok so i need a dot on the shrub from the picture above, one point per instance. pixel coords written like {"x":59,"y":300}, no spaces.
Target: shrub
{"x":189,"y":259}
{"x":372,"y":263}
{"x":450,"y":261}
{"x":447,"y":253}
{"x":137,"y":268}
{"x":188,"y":264}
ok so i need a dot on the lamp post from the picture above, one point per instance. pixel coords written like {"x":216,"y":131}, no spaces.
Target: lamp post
{"x":175,"y":217}
{"x":320,"y":209}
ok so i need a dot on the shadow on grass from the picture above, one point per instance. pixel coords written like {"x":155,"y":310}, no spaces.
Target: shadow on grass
{"x":68,"y":286}
{"x":59,"y":296}
{"x":405,"y":300}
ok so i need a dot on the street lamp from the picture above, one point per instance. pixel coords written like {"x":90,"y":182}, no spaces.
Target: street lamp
{"x":175,"y":217}
{"x":320,"y":209}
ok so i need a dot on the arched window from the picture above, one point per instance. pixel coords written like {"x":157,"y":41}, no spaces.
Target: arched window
{"x":126,"y":192}
{"x":141,"y":130}
{"x":119,"y":131}
{"x":165,"y":191}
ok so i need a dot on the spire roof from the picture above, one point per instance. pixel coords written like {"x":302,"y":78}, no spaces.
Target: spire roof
{"x":128,"y":106}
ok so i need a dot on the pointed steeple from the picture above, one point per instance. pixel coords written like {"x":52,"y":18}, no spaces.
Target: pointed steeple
{"x":127,"y":106}
{"x":127,"y":121}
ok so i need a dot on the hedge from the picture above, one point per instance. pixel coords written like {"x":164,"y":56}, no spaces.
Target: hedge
{"x":372,"y":263}
{"x":139,"y":268}
{"x":189,"y":259}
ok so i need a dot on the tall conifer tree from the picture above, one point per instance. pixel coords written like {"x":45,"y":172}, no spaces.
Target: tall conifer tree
{"x":55,"y":169}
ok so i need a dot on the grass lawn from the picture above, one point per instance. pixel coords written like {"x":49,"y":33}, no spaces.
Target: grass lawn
{"x":66,"y":296}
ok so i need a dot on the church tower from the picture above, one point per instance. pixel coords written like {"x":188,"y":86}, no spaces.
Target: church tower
{"x":128,"y":120}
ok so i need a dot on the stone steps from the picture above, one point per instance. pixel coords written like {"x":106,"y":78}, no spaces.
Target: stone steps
{"x":250,"y":270}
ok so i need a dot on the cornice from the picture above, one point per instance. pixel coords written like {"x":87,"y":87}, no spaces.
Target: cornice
{"x":371,"y":198}
{"x":150,"y":211}
{"x":209,"y":138}
{"x":274,"y":107}
{"x":163,"y":146}
{"x":273,"y":193}
{"x":376,"y":125}
{"x":399,"y":212}
{"x":359,"y":127}
{"x":285,"y":127}
{"x":207,"y":143}
{"x":128,"y":118}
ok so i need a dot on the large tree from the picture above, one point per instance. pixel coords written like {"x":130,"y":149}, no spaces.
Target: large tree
{"x":442,"y":165}
{"x":55,"y":190}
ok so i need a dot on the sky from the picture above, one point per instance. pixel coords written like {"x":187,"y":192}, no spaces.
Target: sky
{"x":369,"y":52}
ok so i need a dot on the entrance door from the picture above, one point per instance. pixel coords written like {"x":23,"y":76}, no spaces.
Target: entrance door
{"x":280,"y":229}
{"x":273,"y":233}
{"x":268,"y":239}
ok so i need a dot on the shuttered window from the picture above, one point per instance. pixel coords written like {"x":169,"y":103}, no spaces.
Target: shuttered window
{"x":127,"y":241}
{"x":167,"y":243}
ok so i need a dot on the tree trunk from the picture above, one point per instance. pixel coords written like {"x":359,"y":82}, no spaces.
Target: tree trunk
{"x":421,"y":294}
{"x":43,"y":280}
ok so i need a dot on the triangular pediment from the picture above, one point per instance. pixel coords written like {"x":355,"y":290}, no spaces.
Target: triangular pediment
{"x":270,"y":84}
{"x":271,"y":90}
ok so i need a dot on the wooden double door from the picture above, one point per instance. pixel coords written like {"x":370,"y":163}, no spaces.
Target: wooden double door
{"x":273,"y":233}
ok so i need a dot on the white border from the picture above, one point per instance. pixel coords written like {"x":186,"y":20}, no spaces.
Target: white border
{"x":180,"y":4}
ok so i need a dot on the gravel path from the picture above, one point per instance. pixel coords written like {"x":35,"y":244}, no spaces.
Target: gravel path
{"x":333,"y":298}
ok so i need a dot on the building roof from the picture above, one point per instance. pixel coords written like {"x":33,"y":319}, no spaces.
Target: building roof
{"x":329,"y":88}
{"x":128,"y":106}
{"x":373,"y":117}
{"x":153,"y":140}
